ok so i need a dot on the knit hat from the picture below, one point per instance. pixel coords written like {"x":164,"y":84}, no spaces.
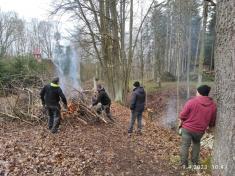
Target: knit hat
{"x":99,"y":87}
{"x":55,"y":80}
{"x":136,"y":84}
{"x":204,"y":90}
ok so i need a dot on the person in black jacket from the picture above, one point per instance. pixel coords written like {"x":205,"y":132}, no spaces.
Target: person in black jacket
{"x":137,"y":107}
{"x":50,"y":96}
{"x":102,"y":98}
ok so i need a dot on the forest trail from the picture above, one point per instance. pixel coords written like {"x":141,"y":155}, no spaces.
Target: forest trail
{"x":100,"y":149}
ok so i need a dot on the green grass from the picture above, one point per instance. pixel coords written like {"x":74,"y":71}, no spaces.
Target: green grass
{"x":207,"y":163}
{"x":152,"y":86}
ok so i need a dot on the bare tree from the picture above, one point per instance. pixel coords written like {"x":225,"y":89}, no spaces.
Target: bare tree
{"x":8,"y":28}
{"x":45,"y":29}
{"x":104,"y":23}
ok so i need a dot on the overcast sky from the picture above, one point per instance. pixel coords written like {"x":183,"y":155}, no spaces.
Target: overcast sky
{"x":27,"y":9}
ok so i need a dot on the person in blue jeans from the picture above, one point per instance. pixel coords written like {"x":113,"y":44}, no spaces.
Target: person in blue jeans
{"x":137,"y":106}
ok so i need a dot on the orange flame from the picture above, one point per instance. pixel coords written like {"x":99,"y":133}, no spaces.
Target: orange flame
{"x":72,"y":107}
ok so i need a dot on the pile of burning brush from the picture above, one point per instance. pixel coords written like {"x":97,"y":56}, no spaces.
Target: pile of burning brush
{"x":24,"y":104}
{"x":77,"y":108}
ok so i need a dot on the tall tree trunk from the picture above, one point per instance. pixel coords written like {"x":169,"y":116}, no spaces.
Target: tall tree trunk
{"x":197,"y":51}
{"x":212,"y":56}
{"x":141,"y":49}
{"x":157,"y":61}
{"x":202,"y":50}
{"x":123,"y":53}
{"x":130,"y":53}
{"x":166,"y":44}
{"x":177,"y":73}
{"x":170,"y":53}
{"x":117,"y":73}
{"x":224,"y":145}
{"x":106,"y":46}
{"x":189,"y":50}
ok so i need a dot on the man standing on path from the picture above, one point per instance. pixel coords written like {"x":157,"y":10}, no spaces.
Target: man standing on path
{"x":137,"y":107}
{"x":50,"y":96}
{"x":198,"y":113}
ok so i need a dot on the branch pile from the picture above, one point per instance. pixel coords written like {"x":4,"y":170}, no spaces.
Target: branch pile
{"x":22,"y":102}
{"x":77,"y":108}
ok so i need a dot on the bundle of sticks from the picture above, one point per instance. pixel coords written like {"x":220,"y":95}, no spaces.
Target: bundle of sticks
{"x":78,"y":108}
{"x":23,"y":103}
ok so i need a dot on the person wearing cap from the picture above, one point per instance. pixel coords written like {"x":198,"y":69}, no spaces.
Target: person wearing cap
{"x":197,"y":114}
{"x":137,"y":107}
{"x":51,"y":95}
{"x":104,"y":100}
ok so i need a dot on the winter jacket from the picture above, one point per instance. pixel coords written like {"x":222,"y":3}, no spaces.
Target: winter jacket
{"x":138,"y":99}
{"x":198,"y":113}
{"x":51,"y":95}
{"x":102,"y":98}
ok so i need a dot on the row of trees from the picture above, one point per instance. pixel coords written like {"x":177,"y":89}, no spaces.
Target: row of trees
{"x":175,"y":37}
{"x":102,"y":31}
{"x":167,"y":37}
{"x":20,"y":38}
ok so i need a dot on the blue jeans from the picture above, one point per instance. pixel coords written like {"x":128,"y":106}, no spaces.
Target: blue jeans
{"x":135,"y":115}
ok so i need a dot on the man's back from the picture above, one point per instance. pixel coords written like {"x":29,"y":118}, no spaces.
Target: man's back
{"x":102,"y":98}
{"x":51,"y":95}
{"x":198,"y":113}
{"x":138,"y":99}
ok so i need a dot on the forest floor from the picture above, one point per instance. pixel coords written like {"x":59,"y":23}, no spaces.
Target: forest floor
{"x":99,"y":149}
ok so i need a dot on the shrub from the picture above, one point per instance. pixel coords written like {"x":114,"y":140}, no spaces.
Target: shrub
{"x":20,"y":69}
{"x":167,"y":77}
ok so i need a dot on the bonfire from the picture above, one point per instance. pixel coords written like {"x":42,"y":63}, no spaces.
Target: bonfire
{"x":78,"y":108}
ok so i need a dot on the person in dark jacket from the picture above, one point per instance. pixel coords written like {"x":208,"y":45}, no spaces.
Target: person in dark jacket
{"x":102,"y":98}
{"x":137,"y":107}
{"x":197,"y":114}
{"x":50,"y":96}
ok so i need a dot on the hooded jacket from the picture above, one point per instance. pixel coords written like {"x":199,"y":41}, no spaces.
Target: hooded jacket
{"x":198,"y":113}
{"x":138,"y":99}
{"x":51,"y":95}
{"x":102,"y":98}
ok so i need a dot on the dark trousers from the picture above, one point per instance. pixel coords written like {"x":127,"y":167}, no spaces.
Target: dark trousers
{"x":54,"y":118}
{"x":106,"y":109}
{"x":187,"y":138}
{"x":134,"y":115}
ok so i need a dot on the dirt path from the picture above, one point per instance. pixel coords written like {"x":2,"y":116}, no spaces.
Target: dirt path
{"x":100,"y":149}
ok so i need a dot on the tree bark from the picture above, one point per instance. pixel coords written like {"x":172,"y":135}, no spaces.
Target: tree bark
{"x":141,"y":49}
{"x":224,"y":145}
{"x":202,"y":50}
{"x":189,"y":49}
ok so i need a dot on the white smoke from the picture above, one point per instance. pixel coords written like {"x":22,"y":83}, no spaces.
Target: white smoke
{"x":67,"y":62}
{"x":169,"y":120}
